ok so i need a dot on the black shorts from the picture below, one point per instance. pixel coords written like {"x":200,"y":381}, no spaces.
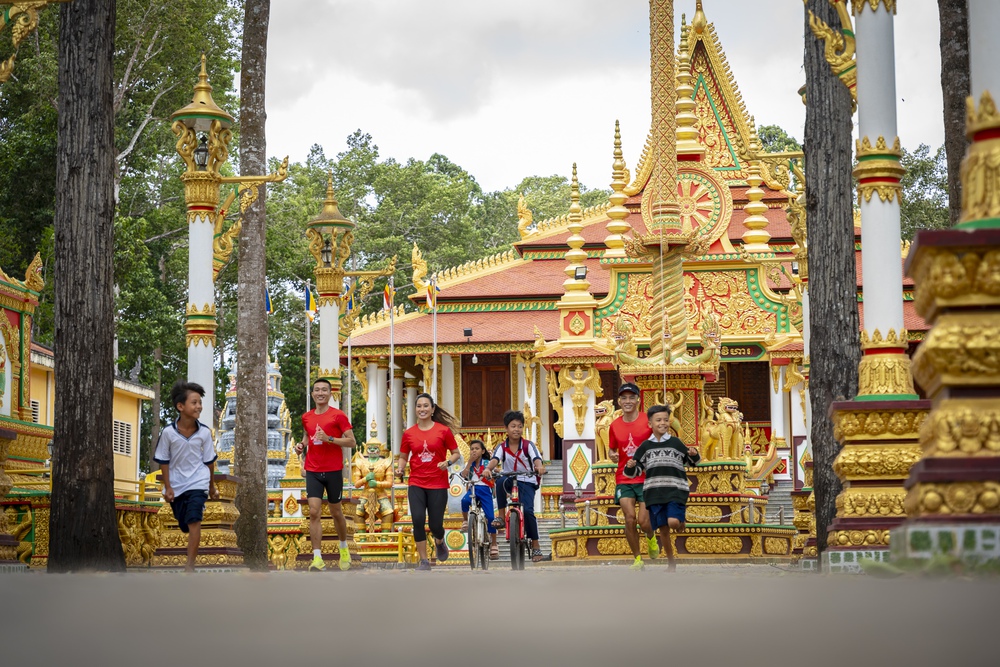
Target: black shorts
{"x":189,"y":507}
{"x":331,"y":482}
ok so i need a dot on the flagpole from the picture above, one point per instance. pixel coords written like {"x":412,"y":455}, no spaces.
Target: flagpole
{"x":392,"y":356}
{"x":434,"y":338}
{"x":308,"y":350}
{"x":349,"y":362}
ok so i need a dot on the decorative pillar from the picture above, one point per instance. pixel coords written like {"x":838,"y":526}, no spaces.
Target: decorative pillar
{"x":381,"y":387}
{"x":330,"y":237}
{"x":879,"y":428}
{"x":411,"y":383}
{"x":396,"y":428}
{"x":953,"y":492}
{"x":449,"y":388}
{"x":778,"y":404}
{"x":203,"y":131}
{"x":371,"y":404}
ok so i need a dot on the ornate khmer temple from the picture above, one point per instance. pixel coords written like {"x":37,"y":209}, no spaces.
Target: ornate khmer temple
{"x":691,"y":281}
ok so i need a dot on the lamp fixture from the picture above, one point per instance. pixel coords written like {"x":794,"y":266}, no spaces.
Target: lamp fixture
{"x":581,"y":273}
{"x":201,"y":154}
{"x":327,"y":253}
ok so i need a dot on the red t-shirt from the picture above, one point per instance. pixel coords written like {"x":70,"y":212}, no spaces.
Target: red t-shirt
{"x":626,"y":438}
{"x":425,"y":450}
{"x":325,"y":456}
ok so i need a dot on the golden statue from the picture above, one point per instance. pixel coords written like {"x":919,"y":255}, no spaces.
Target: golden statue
{"x":279,"y":547}
{"x":373,"y":474}
{"x":605,"y":413}
{"x":524,"y":218}
{"x":580,"y":384}
{"x":555,"y":400}
{"x":722,"y":432}
{"x":673,"y":400}
{"x":530,"y":420}
{"x":150,"y":528}
{"x":419,"y":269}
{"x":539,"y":338}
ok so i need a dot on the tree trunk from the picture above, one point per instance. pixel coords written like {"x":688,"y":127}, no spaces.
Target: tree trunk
{"x":955,"y":88}
{"x":84,"y":531}
{"x":250,"y":437}
{"x":834,"y":327}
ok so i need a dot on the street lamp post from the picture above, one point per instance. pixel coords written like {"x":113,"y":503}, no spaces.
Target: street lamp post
{"x":203,"y":135}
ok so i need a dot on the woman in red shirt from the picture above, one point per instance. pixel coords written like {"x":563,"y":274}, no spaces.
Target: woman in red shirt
{"x":430,"y":447}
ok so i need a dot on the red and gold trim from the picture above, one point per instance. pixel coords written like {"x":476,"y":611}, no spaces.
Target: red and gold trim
{"x":981,"y":166}
{"x":879,"y":169}
{"x":200,"y":325}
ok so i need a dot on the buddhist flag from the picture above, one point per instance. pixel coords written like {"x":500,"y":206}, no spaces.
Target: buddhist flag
{"x":388,"y":295}
{"x":432,"y":292}
{"x":350,"y":302}
{"x":267,"y":301}
{"x":310,"y":304}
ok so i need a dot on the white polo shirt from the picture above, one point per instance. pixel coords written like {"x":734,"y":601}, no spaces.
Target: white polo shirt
{"x":188,"y":458}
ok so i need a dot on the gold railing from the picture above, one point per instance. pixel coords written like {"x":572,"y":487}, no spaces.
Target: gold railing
{"x":144,"y":491}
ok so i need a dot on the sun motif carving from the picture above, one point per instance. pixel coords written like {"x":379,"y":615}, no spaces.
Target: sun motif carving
{"x":704,"y":202}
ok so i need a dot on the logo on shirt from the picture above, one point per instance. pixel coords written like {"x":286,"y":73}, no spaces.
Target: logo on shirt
{"x":318,"y":435}
{"x":426,"y":456}
{"x":631,"y":446}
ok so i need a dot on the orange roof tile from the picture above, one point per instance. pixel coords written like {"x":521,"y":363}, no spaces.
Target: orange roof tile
{"x":534,"y":279}
{"x":491,"y":327}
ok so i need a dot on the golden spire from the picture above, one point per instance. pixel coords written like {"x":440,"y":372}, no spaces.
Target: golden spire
{"x":330,"y":216}
{"x":617,"y":227}
{"x":202,"y":106}
{"x":575,"y":212}
{"x":755,"y":238}
{"x":688,"y":147}
{"x":664,"y":211}
{"x":576,"y":255}
{"x":699,"y":23}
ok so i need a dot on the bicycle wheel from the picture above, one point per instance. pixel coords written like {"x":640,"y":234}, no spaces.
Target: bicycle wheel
{"x":516,"y":550}
{"x":484,"y":543}
{"x":473,"y":540}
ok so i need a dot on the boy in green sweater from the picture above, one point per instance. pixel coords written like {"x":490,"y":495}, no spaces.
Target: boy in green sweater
{"x":663,"y":458}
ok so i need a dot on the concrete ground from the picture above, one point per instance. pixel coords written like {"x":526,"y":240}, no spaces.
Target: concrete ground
{"x":573,"y":616}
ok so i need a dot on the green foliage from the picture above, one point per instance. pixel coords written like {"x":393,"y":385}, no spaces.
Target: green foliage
{"x":775,"y":140}
{"x":925,"y":191}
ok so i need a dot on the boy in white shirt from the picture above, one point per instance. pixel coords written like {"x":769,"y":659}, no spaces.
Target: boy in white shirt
{"x":187,"y":456}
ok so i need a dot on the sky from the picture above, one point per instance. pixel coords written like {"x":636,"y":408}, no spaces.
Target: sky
{"x":528,"y":87}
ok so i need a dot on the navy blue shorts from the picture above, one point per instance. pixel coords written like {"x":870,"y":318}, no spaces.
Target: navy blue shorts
{"x":660,"y":514}
{"x":189,"y":507}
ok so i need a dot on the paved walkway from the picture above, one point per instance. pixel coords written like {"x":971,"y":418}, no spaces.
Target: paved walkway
{"x":736,"y":615}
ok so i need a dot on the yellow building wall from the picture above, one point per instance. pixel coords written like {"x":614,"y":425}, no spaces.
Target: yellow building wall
{"x":126,"y":408}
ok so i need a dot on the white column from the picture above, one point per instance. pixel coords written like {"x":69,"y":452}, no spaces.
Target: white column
{"x":544,"y":439}
{"x":410,"y":383}
{"x":448,"y":388}
{"x":397,"y":409}
{"x":371,"y":406}
{"x":984,"y":24}
{"x":381,"y":409}
{"x":880,"y":228}
{"x":778,"y":403}
{"x":201,"y":297}
{"x":329,"y":341}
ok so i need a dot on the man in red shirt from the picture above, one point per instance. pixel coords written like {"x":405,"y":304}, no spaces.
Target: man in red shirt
{"x":327,"y":432}
{"x":624,"y":437}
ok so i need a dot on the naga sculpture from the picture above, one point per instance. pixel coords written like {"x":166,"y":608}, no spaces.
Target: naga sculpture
{"x":524,"y":218}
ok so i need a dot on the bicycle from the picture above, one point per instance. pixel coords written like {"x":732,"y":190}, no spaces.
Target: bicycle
{"x":477,"y":532}
{"x":520,"y":546}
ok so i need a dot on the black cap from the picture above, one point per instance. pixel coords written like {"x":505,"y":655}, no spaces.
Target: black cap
{"x":629,"y":386}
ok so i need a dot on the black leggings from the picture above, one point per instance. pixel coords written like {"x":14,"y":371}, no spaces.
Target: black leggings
{"x":427,"y":505}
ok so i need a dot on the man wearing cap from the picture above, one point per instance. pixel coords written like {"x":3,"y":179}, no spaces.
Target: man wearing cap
{"x":624,"y":437}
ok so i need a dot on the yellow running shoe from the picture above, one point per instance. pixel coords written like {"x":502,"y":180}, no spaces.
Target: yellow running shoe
{"x":317,"y":564}
{"x":345,"y":559}
{"x":638,"y":564}
{"x":654,"y":547}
